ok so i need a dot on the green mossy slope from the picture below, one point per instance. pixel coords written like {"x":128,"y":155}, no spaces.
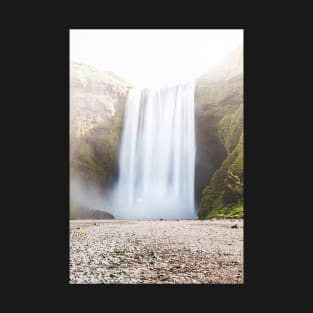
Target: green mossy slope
{"x":223,"y":197}
{"x":95,"y":155}
{"x":97,"y":101}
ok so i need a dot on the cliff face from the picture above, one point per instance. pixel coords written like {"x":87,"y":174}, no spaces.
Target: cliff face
{"x":94,"y":98}
{"x":219,"y":138}
{"x":97,"y":100}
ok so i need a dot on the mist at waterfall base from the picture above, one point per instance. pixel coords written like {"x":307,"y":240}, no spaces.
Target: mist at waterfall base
{"x":157,"y":155}
{"x":156,"y":159}
{"x":90,"y":196}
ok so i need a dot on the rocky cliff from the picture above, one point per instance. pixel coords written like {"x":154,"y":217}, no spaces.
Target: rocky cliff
{"x":97,"y":100}
{"x":94,"y":98}
{"x":219,"y":138}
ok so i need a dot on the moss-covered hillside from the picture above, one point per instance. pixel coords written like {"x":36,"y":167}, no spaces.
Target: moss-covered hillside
{"x":219,"y":139}
{"x":97,"y":100}
{"x":223,"y":197}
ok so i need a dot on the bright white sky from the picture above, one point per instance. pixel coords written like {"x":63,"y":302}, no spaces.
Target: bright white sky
{"x":153,"y":57}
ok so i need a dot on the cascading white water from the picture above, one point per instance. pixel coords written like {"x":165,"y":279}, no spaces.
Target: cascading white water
{"x":157,"y":155}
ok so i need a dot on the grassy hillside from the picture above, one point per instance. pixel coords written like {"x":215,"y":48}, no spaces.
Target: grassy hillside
{"x":223,"y":197}
{"x":94,"y":156}
{"x":97,"y":100}
{"x":219,"y":139}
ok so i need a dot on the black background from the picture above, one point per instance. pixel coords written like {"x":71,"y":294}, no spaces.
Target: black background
{"x":36,"y":143}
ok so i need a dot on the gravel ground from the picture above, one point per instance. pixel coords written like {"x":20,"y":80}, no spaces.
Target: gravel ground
{"x":156,"y":252}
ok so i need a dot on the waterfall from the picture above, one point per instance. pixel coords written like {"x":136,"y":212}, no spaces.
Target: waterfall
{"x":157,"y":155}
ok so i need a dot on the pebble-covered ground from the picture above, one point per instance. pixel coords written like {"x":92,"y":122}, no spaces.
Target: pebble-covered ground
{"x":156,"y":252}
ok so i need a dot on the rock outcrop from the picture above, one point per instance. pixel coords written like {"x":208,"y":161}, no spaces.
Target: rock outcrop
{"x":219,"y":137}
{"x":97,"y":100}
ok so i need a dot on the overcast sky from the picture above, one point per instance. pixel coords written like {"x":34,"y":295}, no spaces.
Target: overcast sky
{"x":156,"y":57}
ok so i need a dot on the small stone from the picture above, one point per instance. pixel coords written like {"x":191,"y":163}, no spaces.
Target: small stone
{"x":235,"y":226}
